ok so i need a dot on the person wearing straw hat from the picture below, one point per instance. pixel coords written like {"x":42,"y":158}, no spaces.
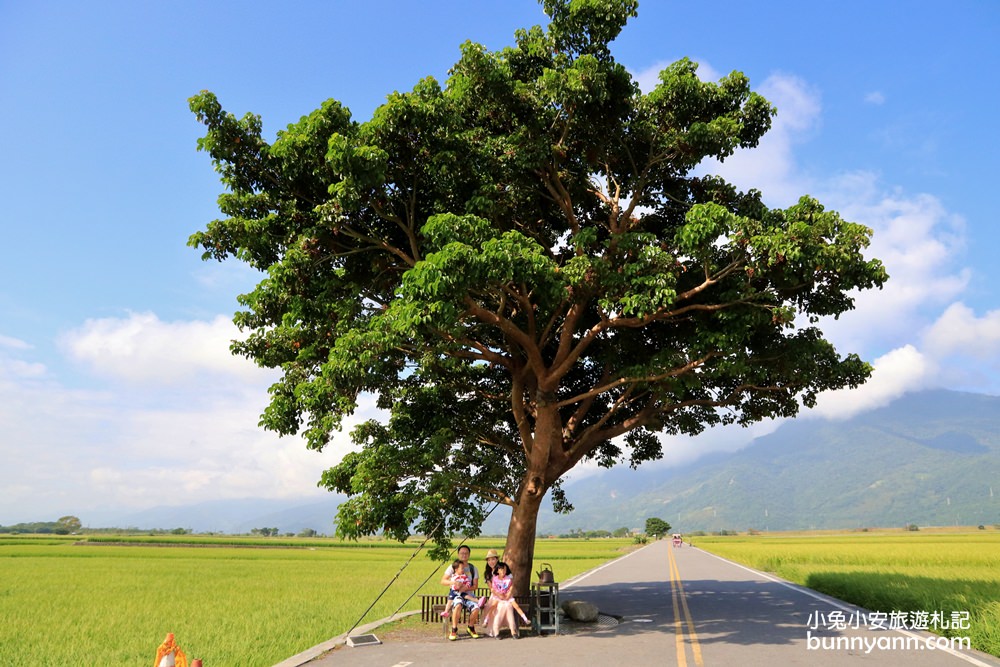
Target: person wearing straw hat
{"x":491,"y":563}
{"x":488,"y":603}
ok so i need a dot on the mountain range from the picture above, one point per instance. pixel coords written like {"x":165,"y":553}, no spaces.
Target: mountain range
{"x":929,"y":458}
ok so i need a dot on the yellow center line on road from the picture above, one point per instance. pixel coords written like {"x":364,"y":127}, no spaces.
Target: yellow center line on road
{"x":678,"y":622}
{"x":680,"y":600}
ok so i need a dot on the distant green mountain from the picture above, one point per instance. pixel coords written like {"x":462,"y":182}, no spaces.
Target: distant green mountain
{"x":930,"y":458}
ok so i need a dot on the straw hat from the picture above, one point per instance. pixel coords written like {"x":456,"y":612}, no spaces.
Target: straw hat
{"x":492,"y":553}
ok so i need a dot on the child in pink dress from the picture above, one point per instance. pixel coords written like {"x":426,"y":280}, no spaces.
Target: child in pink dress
{"x":505,"y":605}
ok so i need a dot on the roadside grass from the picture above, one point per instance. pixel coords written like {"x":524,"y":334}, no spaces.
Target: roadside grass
{"x":942,"y":572}
{"x":63,"y":603}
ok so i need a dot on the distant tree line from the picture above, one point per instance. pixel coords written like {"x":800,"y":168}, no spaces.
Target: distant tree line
{"x":71,"y":525}
{"x":580,"y":533}
{"x":40,"y":527}
{"x":63,"y":526}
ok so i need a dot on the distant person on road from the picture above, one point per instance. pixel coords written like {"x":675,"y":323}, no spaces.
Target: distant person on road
{"x":471,"y":603}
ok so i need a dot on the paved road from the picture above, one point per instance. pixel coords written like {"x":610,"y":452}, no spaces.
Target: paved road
{"x":685,"y":607}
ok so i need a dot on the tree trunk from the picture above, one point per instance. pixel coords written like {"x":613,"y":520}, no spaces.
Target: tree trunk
{"x":520,"y":547}
{"x":545,"y":464}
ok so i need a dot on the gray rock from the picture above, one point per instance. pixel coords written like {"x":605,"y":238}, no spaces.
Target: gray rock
{"x":578,"y":610}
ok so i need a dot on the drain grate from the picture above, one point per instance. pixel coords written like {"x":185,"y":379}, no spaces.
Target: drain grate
{"x":363,"y":640}
{"x":605,"y":621}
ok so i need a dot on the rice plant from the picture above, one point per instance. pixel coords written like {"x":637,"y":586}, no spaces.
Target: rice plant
{"x":227,"y":601}
{"x":905,"y":571}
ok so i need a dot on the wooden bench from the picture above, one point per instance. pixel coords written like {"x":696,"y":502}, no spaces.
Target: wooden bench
{"x":431,"y":607}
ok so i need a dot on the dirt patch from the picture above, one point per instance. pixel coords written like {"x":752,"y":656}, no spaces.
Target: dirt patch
{"x":411,"y":629}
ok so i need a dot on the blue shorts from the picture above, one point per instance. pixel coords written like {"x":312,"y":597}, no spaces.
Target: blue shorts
{"x":460,"y":600}
{"x":469,"y":603}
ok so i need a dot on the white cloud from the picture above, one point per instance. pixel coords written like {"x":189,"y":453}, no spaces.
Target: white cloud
{"x":146,"y":442}
{"x":875,"y":97}
{"x":13,"y":343}
{"x":967,"y":347}
{"x":960,"y":331}
{"x":896,"y":373}
{"x":918,"y":241}
{"x":798,"y":104}
{"x":198,"y":452}
{"x":15,"y":368}
{"x":142,"y":348}
{"x":772,"y":167}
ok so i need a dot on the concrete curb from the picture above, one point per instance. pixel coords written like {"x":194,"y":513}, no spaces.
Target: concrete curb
{"x":319,"y":649}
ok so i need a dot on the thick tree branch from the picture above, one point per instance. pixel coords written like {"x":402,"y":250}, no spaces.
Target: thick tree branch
{"x":478,"y":352}
{"x":584,"y":407}
{"x":517,"y":393}
{"x":407,"y":229}
{"x":494,"y":494}
{"x":559,"y":363}
{"x":524,"y":297}
{"x":598,"y":433}
{"x":511,"y":331}
{"x":378,"y":243}
{"x":594,"y":435}
{"x":544,"y":337}
{"x":554,"y":184}
{"x":647,"y":379}
{"x":508,"y":447}
{"x":566,"y":358}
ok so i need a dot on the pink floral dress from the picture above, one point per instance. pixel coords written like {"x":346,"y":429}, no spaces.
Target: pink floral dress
{"x":503,"y":609}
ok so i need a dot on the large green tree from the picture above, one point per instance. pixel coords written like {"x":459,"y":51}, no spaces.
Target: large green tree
{"x":657,"y":527}
{"x":69,"y":524}
{"x":523,"y":270}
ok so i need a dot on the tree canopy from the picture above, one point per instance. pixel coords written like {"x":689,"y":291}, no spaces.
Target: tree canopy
{"x":69,"y":523}
{"x":657,"y":527}
{"x":525,"y":272}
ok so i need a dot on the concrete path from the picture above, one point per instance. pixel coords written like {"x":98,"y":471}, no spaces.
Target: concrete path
{"x":685,"y":607}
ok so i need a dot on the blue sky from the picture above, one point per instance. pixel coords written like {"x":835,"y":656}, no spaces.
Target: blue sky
{"x":117,"y":391}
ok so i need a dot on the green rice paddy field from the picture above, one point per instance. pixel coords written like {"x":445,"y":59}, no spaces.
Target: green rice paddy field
{"x":921,"y":571}
{"x":231,"y":602}
{"x":256,"y":601}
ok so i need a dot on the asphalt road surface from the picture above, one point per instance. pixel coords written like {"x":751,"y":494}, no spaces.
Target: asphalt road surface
{"x":683,"y":606}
